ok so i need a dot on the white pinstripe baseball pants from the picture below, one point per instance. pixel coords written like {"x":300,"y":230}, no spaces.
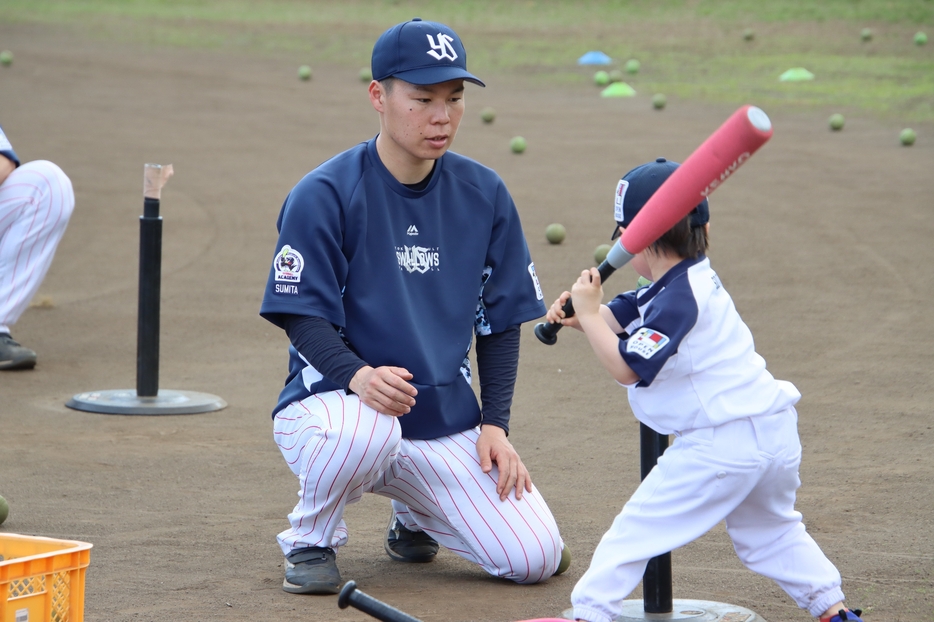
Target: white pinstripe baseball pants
{"x":36,"y":201}
{"x":339,"y":449}
{"x":744,"y":472}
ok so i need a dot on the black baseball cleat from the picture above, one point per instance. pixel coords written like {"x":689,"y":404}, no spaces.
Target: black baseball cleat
{"x":13,"y":355}
{"x":403,"y":545}
{"x":312,"y":570}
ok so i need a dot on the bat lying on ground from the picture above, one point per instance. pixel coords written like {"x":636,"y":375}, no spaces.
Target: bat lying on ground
{"x":704,"y":171}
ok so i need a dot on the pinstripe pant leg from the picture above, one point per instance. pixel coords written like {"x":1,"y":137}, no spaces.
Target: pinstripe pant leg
{"x":449,"y":497}
{"x":36,"y":202}
{"x":337,"y":447}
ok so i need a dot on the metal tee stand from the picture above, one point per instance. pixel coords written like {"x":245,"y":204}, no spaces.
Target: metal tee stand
{"x":657,"y":602}
{"x":148,"y":399}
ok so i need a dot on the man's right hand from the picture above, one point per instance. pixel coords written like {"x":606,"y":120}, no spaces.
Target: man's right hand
{"x":385,"y":389}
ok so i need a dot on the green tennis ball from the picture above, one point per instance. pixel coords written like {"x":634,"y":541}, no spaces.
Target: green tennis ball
{"x":642,"y":282}
{"x":555,"y":233}
{"x":365,"y":75}
{"x":304,"y":72}
{"x":907,"y":137}
{"x":517,"y":144}
{"x":4,"y":510}
{"x":866,"y":34}
{"x":632,"y":66}
{"x":836,"y":121}
{"x":601,"y":78}
{"x":6,"y":58}
{"x":599,"y":253}
{"x":920,"y":38}
{"x":488,"y":115}
{"x":749,"y":34}
{"x":659,"y":101}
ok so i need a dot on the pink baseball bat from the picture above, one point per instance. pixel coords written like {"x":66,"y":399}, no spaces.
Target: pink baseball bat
{"x":705,"y":170}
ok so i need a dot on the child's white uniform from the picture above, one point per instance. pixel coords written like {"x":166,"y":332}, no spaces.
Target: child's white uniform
{"x":735,"y":456}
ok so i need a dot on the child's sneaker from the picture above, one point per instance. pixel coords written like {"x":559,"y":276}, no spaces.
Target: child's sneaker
{"x":843,"y":615}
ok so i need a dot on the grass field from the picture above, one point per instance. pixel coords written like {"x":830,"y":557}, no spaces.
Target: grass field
{"x":888,"y":76}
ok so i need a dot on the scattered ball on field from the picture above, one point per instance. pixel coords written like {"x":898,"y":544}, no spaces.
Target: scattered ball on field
{"x":601,"y":78}
{"x":749,"y":34}
{"x":517,"y":144}
{"x":632,"y":66}
{"x":920,"y":38}
{"x":6,"y":57}
{"x":304,"y":72}
{"x":366,"y":75}
{"x":42,"y":302}
{"x":616,"y":76}
{"x":866,"y":34}
{"x":659,"y":100}
{"x":555,"y":233}
{"x":4,"y":510}
{"x":599,"y":253}
{"x":907,"y":137}
{"x":642,"y":282}
{"x":487,"y":114}
{"x":836,"y":121}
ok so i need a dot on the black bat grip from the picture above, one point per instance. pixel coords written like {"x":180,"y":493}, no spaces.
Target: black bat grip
{"x":351,"y":596}
{"x":547,"y":332}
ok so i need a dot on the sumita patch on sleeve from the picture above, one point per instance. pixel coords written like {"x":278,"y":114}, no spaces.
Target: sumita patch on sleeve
{"x":646,"y":342}
{"x":288,"y":265}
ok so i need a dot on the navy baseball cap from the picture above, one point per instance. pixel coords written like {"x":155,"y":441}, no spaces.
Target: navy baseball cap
{"x":637,"y":187}
{"x":420,"y":52}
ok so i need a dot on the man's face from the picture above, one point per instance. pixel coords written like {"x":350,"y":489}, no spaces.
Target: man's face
{"x":419,"y":121}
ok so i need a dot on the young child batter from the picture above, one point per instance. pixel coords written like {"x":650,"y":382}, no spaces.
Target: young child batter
{"x":688,"y":361}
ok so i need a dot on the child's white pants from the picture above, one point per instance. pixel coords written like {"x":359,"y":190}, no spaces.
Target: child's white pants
{"x":36,"y":201}
{"x":339,"y":449}
{"x":744,"y":472}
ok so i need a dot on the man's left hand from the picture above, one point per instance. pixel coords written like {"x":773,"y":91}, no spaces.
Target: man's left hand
{"x":493,"y":446}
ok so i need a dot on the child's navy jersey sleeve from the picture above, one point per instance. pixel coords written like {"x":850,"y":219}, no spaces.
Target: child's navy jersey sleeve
{"x":625,"y":309}
{"x":309,"y":269}
{"x":669,"y":316}
{"x":6,"y":149}
{"x":511,"y":292}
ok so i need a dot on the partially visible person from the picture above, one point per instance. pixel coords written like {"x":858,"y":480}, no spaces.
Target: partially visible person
{"x":36,"y":202}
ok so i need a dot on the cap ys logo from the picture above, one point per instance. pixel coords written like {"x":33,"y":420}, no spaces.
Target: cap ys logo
{"x":443,"y":48}
{"x":288,"y":265}
{"x":646,"y":342}
{"x":418,"y":258}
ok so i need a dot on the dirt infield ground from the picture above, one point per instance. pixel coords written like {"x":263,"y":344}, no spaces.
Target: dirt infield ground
{"x":823,"y":239}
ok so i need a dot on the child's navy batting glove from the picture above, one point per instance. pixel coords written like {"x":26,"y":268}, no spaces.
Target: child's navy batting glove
{"x":843,"y":615}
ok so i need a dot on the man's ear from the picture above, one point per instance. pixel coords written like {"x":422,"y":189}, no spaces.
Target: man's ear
{"x":377,"y":95}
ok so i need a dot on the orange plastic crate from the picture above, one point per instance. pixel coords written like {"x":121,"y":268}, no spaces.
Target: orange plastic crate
{"x":42,"y":579}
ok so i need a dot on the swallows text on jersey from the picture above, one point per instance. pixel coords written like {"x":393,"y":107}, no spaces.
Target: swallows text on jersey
{"x":418,"y":258}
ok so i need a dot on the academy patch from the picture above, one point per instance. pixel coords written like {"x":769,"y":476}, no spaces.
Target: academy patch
{"x":288,"y":265}
{"x":646,"y":342}
{"x":538,"y":287}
